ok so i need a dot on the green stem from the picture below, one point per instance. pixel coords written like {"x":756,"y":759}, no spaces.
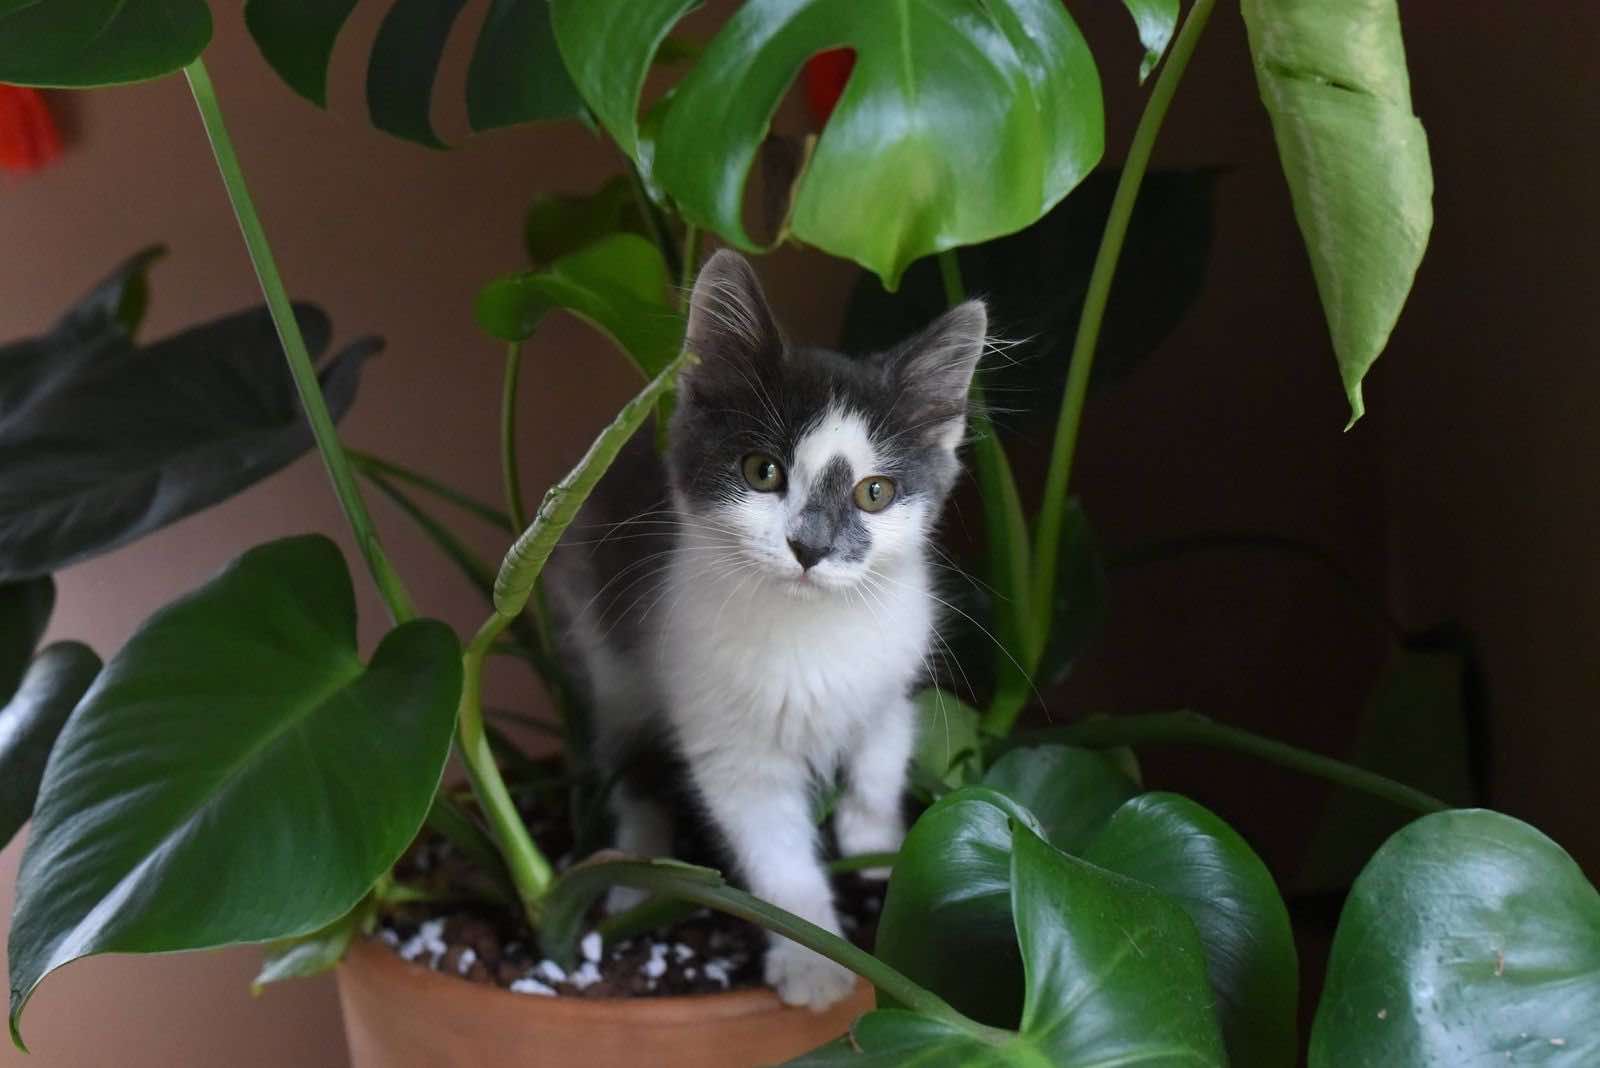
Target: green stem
{"x":1191,"y":728}
{"x":294,"y":348}
{"x":367,"y":463}
{"x":1048,"y":541}
{"x":509,"y":471}
{"x":653,"y":220}
{"x":862,"y":861}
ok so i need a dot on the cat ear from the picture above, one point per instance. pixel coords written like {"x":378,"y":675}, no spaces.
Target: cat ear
{"x":729,"y":319}
{"x":933,"y":371}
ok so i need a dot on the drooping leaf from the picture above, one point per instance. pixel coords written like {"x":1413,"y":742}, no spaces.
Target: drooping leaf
{"x":618,"y":283}
{"x":947,"y":747}
{"x":235,"y":774}
{"x":515,"y":76}
{"x":30,"y":721}
{"x":1334,"y":80}
{"x":80,"y":44}
{"x":1157,"y":20}
{"x":312,"y":954}
{"x":1470,"y":938}
{"x":943,"y":96}
{"x":559,"y":225}
{"x":103,"y":441}
{"x":1195,"y":859}
{"x":1035,"y":281}
{"x":1071,"y":792}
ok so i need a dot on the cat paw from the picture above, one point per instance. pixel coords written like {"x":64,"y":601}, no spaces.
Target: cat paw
{"x":623,"y":898}
{"x":802,"y":977}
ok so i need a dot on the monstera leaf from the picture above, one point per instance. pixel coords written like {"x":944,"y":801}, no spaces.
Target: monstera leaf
{"x":236,"y":774}
{"x":78,"y":44}
{"x":104,"y":441}
{"x":944,"y":95}
{"x":1333,"y":77}
{"x":1470,"y":938}
{"x":516,"y":75}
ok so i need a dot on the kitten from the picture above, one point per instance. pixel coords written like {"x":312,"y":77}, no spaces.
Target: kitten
{"x":771,"y":621}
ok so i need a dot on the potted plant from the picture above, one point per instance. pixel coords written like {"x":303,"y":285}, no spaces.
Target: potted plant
{"x":237,"y":773}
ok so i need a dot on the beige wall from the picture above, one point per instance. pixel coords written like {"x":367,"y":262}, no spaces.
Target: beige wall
{"x":1468,"y":488}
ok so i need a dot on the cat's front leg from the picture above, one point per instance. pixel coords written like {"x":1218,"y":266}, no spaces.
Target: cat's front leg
{"x":869,"y":818}
{"x":761,"y":803}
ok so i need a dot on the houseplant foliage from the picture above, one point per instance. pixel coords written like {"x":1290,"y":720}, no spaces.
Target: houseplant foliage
{"x":1046,"y":907}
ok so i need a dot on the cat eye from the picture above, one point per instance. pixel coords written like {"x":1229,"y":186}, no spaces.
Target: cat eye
{"x":764,"y":474}
{"x":874,"y":493}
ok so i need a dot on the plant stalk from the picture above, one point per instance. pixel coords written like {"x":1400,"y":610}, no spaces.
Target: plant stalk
{"x":301,"y":368}
{"x":1191,"y":728}
{"x":368,"y":464}
{"x":1047,"y":543}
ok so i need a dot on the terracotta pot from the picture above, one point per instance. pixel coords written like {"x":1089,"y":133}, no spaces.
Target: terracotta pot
{"x":402,"y":1015}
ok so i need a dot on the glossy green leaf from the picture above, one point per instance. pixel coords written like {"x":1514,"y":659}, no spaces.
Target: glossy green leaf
{"x":948,"y":746}
{"x":619,"y":284}
{"x":235,"y":774}
{"x":1334,"y":80}
{"x":1470,"y":939}
{"x":1157,"y":21}
{"x":558,"y":225}
{"x":30,"y":722}
{"x":79,"y":44}
{"x":943,"y":96}
{"x":515,"y":76}
{"x":1034,"y":283}
{"x":894,"y":1038}
{"x":105,"y":441}
{"x":1195,"y":859}
{"x":1071,"y":792}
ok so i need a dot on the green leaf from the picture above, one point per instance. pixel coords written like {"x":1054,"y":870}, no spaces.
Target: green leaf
{"x":947,"y":737}
{"x":31,"y":720}
{"x":236,"y":774}
{"x":1035,"y":282}
{"x":1333,"y":78}
{"x":1195,"y":859}
{"x":618,"y":283}
{"x":106,"y":441}
{"x":1157,"y":21}
{"x":944,"y":95}
{"x":25,"y":609}
{"x":1081,"y":596}
{"x":558,"y":225}
{"x":515,"y":76}
{"x":1071,"y":792}
{"x":80,"y":44}
{"x":893,"y":1038}
{"x":1471,"y":938}
{"x":1419,"y":728}
{"x":315,"y":953}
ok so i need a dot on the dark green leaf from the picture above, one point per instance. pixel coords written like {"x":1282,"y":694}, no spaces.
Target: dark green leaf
{"x":405,"y":58}
{"x":1193,"y":858}
{"x":1334,"y":81}
{"x":947,"y":737}
{"x":236,"y":774}
{"x":943,"y":96}
{"x":315,"y":953}
{"x":1035,"y":283}
{"x":894,"y":1038}
{"x":103,"y":442}
{"x":516,"y":73}
{"x":79,"y":44}
{"x":618,"y":283}
{"x":296,"y":39}
{"x":1419,"y":729}
{"x":1071,"y":792}
{"x":30,"y":722}
{"x":1156,"y":19}
{"x":559,"y":225}
{"x":1471,"y":938}
{"x":25,"y":609}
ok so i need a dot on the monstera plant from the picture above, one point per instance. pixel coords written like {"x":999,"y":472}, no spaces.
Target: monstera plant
{"x":1046,"y":908}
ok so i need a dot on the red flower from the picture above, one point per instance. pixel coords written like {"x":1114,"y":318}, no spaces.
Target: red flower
{"x":825,"y":75}
{"x":28,"y":136}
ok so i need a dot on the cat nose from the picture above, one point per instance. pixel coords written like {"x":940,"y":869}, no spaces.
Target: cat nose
{"x":808,"y":555}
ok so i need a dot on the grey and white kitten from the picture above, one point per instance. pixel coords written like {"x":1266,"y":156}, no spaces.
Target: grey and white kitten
{"x":766,"y":619}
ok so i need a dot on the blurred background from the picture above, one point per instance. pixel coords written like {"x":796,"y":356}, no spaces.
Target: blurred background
{"x":1467,"y":494}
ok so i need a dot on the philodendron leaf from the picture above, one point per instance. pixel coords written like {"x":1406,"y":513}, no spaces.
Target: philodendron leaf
{"x":516,"y":74}
{"x":948,"y":746}
{"x":1071,"y":792}
{"x":1198,"y":861}
{"x":1333,"y":77}
{"x":31,"y":720}
{"x":79,"y":44}
{"x":944,"y":95}
{"x":1470,"y":938}
{"x":235,"y":774}
{"x":558,"y":225}
{"x":25,"y":609}
{"x":1157,"y":20}
{"x":103,"y":441}
{"x":618,"y":283}
{"x":315,"y":953}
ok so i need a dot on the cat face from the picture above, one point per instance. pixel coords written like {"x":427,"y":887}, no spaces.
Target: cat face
{"x":812,"y":469}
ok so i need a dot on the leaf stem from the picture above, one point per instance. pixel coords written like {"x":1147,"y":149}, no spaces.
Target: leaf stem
{"x":294,"y":348}
{"x":1047,"y":543}
{"x":367,"y":463}
{"x":509,"y":471}
{"x":1190,"y":728}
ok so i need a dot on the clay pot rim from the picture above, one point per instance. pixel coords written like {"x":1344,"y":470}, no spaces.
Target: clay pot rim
{"x":372,"y":954}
